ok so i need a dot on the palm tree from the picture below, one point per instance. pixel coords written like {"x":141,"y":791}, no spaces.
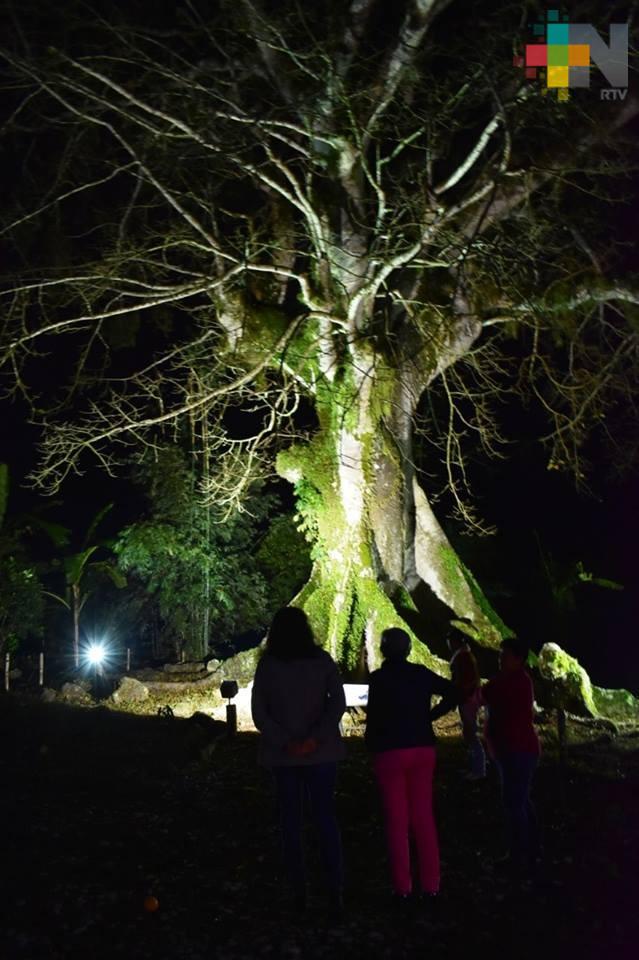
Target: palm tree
{"x":76,"y":567}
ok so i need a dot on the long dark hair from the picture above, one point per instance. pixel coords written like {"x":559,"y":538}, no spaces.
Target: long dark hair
{"x":290,"y":636}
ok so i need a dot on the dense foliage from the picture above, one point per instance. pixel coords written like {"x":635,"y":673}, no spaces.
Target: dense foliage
{"x":21,"y":597}
{"x":207,"y":578}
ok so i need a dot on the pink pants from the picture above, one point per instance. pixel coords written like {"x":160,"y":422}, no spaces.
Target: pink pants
{"x":405,"y":779}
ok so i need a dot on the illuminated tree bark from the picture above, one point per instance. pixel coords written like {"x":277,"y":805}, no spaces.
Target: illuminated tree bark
{"x":375,"y":536}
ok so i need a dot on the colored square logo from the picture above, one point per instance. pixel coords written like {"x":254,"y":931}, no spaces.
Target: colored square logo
{"x":558,"y":33}
{"x":557,"y":56}
{"x":551,"y":57}
{"x":557,"y":77}
{"x":579,"y":55}
{"x":536,"y":55}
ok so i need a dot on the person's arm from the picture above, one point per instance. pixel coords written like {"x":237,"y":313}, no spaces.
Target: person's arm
{"x":262,"y":718}
{"x":334,"y":706}
{"x":448,"y":693}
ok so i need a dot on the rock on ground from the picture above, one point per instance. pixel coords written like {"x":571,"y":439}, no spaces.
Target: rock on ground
{"x":130,"y":691}
{"x":75,"y":693}
{"x":569,"y":687}
{"x":183,"y":667}
{"x":240,"y":667}
{"x":570,"y":684}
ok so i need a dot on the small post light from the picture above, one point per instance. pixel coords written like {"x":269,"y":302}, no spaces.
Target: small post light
{"x":228,"y":689}
{"x":96,"y":656}
{"x":41,"y":669}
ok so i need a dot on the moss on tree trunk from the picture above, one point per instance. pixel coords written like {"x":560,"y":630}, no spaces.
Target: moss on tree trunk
{"x":373,"y":534}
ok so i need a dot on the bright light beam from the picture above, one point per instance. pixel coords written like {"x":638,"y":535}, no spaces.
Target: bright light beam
{"x":96,"y":654}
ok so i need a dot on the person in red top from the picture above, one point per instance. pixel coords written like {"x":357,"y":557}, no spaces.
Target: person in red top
{"x":464,"y":674}
{"x":514,"y":746}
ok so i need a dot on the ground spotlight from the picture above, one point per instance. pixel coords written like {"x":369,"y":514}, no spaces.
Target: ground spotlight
{"x":96,"y":654}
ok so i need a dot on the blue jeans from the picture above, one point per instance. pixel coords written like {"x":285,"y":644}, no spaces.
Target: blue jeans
{"x":317,"y":783}
{"x":516,"y":772}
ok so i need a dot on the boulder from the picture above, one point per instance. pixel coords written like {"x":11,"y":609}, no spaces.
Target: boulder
{"x":570,"y":686}
{"x":617,"y":705}
{"x":130,"y":691}
{"x":75,"y":693}
{"x":49,"y":695}
{"x":565,"y":684}
{"x":183,"y":667}
{"x":240,"y":667}
{"x":147,"y":673}
{"x":213,"y":666}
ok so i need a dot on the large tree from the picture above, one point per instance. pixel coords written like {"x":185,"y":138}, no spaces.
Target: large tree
{"x":304,"y":219}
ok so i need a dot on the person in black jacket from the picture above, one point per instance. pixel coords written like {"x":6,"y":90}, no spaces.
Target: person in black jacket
{"x":399,"y":733}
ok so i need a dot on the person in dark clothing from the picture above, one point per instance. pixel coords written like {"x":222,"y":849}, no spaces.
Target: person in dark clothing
{"x":514,"y":746}
{"x":297,"y":702}
{"x":399,"y":732}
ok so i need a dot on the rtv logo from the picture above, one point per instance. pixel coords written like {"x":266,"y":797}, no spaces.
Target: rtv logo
{"x":562,"y":54}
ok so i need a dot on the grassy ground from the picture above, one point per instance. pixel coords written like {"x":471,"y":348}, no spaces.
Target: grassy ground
{"x":100,"y":809}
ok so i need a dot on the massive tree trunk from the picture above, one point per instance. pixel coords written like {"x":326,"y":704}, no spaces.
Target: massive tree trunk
{"x":375,"y":537}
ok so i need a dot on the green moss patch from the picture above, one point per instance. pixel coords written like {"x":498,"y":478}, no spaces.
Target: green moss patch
{"x":617,"y":705}
{"x":570,"y":684}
